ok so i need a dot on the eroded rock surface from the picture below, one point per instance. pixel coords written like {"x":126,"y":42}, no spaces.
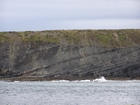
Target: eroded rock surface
{"x":70,"y":54}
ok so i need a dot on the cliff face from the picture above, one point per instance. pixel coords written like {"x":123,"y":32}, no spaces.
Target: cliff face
{"x":75,"y":54}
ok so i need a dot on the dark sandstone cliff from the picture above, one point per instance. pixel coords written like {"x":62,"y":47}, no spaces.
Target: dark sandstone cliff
{"x":70,"y":54}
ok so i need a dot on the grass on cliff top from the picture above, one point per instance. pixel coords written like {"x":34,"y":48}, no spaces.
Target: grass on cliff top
{"x":37,"y":37}
{"x":107,"y":38}
{"x":71,"y":36}
{"x":115,"y":38}
{"x":34,"y":37}
{"x":4,"y":38}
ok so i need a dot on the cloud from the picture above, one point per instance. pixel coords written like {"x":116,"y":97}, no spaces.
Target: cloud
{"x":61,"y":14}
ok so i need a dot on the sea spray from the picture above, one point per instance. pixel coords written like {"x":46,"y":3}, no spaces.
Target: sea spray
{"x":102,"y":79}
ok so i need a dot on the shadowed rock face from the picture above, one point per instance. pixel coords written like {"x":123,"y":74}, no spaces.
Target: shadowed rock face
{"x":71,"y":54}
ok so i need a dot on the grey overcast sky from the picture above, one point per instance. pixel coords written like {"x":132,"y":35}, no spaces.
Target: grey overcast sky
{"x":25,"y":15}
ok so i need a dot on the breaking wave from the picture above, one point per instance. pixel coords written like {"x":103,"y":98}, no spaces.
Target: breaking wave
{"x":101,"y":79}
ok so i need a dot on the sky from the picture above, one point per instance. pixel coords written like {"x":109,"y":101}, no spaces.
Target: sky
{"x":35,"y":15}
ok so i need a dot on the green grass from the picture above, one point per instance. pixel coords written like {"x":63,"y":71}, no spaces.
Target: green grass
{"x":104,"y":38}
{"x":4,"y":38}
{"x":37,"y":38}
{"x":71,"y":36}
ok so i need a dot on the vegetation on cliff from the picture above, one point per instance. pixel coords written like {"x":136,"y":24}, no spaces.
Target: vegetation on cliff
{"x":106,"y":38}
{"x":70,"y":54}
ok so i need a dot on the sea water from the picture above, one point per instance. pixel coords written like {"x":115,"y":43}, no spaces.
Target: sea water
{"x":85,"y":92}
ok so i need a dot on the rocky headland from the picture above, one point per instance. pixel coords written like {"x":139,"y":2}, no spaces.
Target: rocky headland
{"x":70,"y":54}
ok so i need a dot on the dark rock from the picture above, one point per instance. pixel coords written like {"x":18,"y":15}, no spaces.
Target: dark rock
{"x":72,"y":57}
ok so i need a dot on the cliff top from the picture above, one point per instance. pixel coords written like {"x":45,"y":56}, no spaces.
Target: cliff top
{"x":107,"y":38}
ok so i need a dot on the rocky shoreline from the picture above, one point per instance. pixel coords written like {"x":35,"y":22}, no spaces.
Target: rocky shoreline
{"x":70,"y":55}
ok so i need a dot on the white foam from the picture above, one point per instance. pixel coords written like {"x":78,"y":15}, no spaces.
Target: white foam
{"x":85,"y":80}
{"x":60,"y":81}
{"x":102,"y":79}
{"x":16,"y":81}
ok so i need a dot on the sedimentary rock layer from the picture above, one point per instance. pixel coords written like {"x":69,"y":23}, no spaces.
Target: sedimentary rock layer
{"x":70,"y":54}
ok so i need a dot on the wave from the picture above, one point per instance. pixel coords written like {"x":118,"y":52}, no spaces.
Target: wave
{"x":101,"y":79}
{"x":16,"y":81}
{"x":60,"y":81}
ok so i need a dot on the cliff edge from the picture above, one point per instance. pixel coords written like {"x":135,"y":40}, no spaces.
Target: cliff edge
{"x":70,"y":54}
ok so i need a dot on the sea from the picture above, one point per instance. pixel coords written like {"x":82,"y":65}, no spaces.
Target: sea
{"x":85,"y":92}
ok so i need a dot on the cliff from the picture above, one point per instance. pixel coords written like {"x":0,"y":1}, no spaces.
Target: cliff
{"x":70,"y":54}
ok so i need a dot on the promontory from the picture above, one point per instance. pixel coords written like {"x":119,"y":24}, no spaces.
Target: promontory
{"x":70,"y":54}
